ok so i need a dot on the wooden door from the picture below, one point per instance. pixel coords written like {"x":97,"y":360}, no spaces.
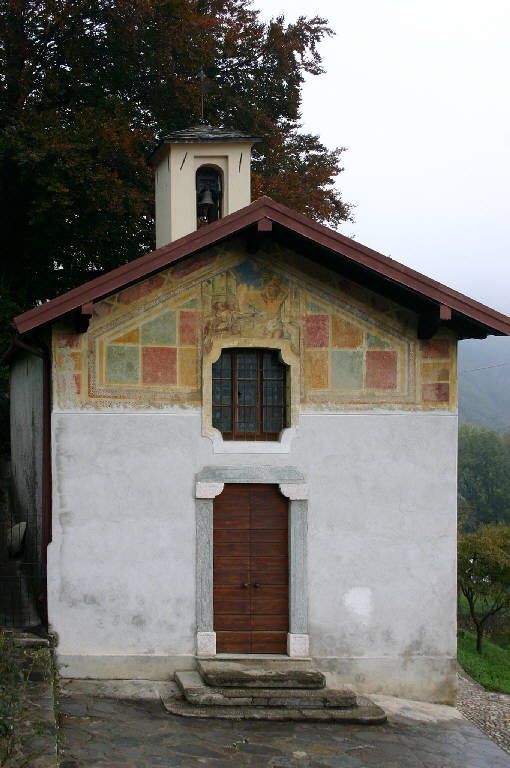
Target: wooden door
{"x":251,"y":569}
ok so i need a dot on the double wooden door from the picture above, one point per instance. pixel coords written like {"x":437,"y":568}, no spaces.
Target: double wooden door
{"x":251,"y":569}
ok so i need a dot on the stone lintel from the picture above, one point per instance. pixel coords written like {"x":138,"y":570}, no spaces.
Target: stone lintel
{"x":253,"y":474}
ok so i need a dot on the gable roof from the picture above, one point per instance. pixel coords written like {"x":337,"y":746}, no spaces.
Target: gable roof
{"x":382,"y":273}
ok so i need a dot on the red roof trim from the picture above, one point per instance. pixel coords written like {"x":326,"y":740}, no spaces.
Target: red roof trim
{"x":263,"y":208}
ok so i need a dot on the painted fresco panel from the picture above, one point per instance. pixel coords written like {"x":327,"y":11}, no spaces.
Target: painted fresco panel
{"x":347,"y":369}
{"x":436,"y":393}
{"x":159,"y":365}
{"x":376,"y":342}
{"x":436,"y":348}
{"x":381,"y":369}
{"x":345,"y":335}
{"x":122,"y":364}
{"x":317,"y":370}
{"x":317,"y":330}
{"x":188,"y":368}
{"x":146,"y":345}
{"x":188,"y":327}
{"x":161,"y":330}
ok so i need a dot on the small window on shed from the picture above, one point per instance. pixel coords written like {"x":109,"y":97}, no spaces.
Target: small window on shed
{"x":249,"y":394}
{"x":209,"y":184}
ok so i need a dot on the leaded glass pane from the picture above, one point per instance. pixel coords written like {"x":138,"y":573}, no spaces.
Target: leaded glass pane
{"x":247,"y":393}
{"x":222,"y":392}
{"x":247,"y":365}
{"x":222,"y":419}
{"x":247,"y":419}
{"x":273,"y":393}
{"x":222,"y":368}
{"x":272,"y":368}
{"x":272,"y":418}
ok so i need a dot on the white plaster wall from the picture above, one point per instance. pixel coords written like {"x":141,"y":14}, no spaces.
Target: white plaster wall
{"x":381,"y":543}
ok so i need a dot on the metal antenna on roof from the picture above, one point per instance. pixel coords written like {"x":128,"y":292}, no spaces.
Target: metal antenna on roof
{"x":201,"y":75}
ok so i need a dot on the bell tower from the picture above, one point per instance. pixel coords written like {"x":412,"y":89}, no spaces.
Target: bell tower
{"x":201,"y":175}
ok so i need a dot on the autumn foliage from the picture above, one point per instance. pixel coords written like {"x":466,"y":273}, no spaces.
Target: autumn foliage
{"x":86,"y":89}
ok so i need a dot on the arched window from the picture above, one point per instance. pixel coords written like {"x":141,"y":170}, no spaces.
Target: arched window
{"x":249,"y":389}
{"x":209,"y":184}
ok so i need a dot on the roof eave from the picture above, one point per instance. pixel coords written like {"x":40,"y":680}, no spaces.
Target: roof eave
{"x":494,"y":322}
{"x":160,"y":149}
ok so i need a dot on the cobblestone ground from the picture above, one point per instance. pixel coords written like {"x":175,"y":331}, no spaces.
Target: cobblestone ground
{"x":109,"y":733}
{"x":489,"y":711}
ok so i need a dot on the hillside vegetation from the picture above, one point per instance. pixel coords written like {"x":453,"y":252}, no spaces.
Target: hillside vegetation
{"x":484,"y":382}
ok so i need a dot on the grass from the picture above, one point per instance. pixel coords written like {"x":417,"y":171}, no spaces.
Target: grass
{"x":491,"y":669}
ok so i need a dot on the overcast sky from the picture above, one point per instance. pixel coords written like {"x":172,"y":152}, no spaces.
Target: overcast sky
{"x":418,"y":91}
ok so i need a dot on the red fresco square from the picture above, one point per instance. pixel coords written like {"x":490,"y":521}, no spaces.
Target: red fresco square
{"x":317,"y":330}
{"x":77,"y":382}
{"x":159,"y":365}
{"x":437,"y":348}
{"x":436,"y":393}
{"x":381,"y":369}
{"x":188,"y":325}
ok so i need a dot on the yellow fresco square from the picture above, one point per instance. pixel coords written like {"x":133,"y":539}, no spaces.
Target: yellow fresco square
{"x":433,"y":372}
{"x":317,"y":369}
{"x":187,"y":368}
{"x":131,"y":337}
{"x":345,"y":335}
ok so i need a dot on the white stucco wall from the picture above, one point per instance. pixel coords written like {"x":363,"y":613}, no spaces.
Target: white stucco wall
{"x":381,"y":544}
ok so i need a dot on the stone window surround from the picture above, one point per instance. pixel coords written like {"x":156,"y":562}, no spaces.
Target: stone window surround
{"x":287,"y":356}
{"x":209,"y":484}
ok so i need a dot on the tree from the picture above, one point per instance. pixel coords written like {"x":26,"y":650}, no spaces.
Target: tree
{"x":483,"y":475}
{"x":483,"y":568}
{"x":87,"y":86}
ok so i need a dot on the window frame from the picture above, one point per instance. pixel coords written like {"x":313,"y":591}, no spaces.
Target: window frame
{"x":260,"y":435}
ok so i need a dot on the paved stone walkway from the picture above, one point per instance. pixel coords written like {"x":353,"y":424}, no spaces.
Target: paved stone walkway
{"x":489,"y":711}
{"x":35,"y":747}
{"x":102,"y":732}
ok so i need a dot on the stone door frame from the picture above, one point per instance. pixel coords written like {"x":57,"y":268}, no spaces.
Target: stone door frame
{"x":209,"y":484}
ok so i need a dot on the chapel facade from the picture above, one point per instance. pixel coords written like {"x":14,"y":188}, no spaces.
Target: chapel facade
{"x":253,"y":441}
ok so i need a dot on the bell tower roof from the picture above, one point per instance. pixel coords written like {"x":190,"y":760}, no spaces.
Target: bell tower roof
{"x":203,"y":133}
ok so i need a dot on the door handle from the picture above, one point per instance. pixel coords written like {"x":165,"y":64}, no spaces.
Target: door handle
{"x":256,"y":584}
{"x":245,"y":584}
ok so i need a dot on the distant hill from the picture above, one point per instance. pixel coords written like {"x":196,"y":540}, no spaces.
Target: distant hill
{"x":484,"y":382}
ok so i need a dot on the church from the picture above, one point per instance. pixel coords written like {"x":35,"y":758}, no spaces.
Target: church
{"x":245,"y":443}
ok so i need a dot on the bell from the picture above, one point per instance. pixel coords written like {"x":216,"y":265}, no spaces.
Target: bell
{"x":206,"y":198}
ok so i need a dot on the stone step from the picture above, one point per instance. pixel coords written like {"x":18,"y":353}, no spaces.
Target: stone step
{"x":366,"y":712}
{"x":260,"y":673}
{"x":200,"y":694}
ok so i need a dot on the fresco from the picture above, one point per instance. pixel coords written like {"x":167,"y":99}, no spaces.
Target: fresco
{"x":146,"y":344}
{"x":250,"y":301}
{"x":346,"y":358}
